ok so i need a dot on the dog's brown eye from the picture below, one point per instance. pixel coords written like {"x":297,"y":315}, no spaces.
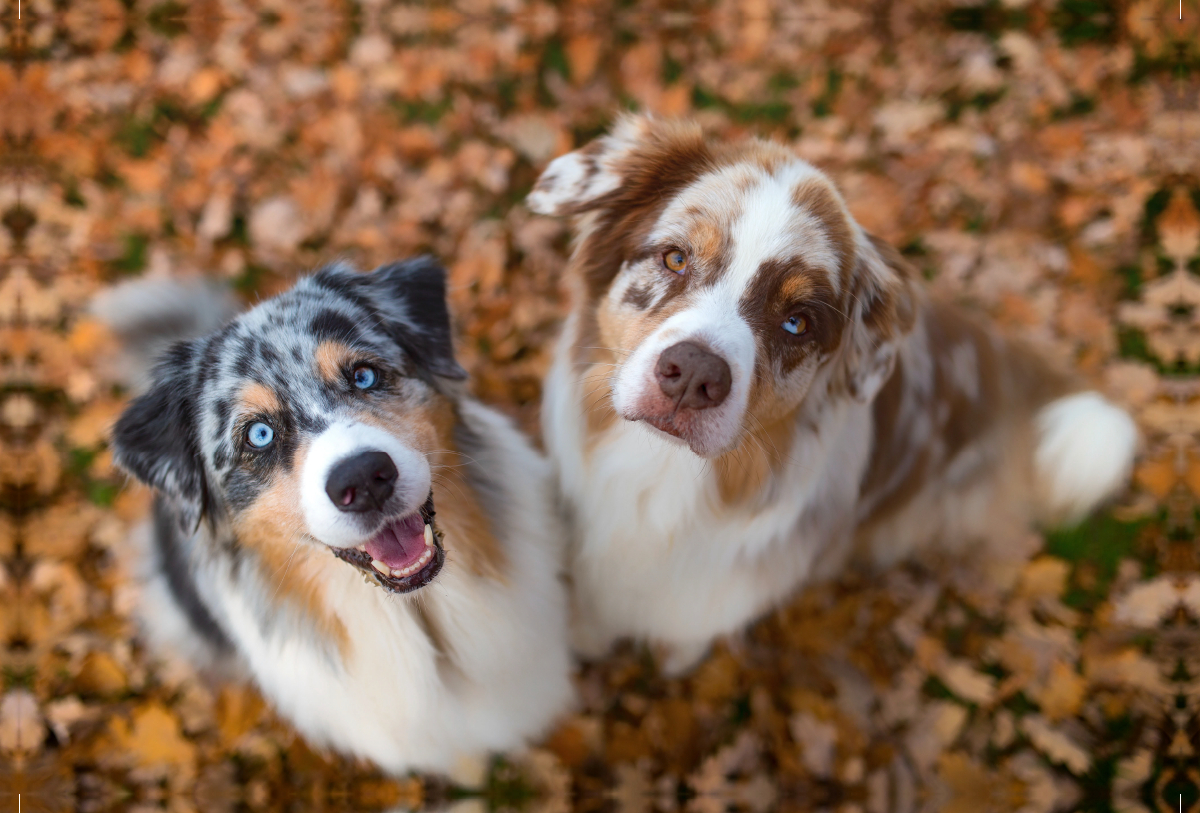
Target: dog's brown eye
{"x":796,"y":325}
{"x":675,"y":260}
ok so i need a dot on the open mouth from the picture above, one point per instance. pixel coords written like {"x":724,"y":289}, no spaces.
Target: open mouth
{"x":406,"y":554}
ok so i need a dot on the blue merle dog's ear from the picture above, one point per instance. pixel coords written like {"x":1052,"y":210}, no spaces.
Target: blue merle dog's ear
{"x":411,"y":297}
{"x":155,"y":437}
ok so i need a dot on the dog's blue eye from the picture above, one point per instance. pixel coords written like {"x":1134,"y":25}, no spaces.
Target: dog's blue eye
{"x":365,"y":377}
{"x":796,"y":325}
{"x":259,"y":435}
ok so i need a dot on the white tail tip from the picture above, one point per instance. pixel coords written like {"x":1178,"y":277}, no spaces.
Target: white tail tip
{"x":1085,"y":450}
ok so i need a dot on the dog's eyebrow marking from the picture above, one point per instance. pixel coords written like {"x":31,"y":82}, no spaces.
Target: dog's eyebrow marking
{"x":796,"y":286}
{"x":814,"y":196}
{"x":329,"y":324}
{"x":259,"y":398}
{"x":330,"y":356}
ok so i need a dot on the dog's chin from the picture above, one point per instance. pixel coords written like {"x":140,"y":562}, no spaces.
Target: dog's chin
{"x":688,"y":434}
{"x":404,"y":555}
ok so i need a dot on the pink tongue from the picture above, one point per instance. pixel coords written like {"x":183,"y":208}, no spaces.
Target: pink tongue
{"x":400,"y":543}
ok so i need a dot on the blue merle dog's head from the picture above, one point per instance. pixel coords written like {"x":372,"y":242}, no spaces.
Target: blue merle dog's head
{"x":310,"y":417}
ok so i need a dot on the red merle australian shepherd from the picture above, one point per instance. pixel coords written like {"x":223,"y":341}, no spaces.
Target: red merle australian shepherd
{"x":750,"y":389}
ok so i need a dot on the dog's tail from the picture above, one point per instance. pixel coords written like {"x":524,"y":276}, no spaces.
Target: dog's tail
{"x":1083,"y":455}
{"x":149,"y":315}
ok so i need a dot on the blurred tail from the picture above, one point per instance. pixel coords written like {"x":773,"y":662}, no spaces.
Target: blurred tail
{"x":149,"y":315}
{"x":1084,"y":455}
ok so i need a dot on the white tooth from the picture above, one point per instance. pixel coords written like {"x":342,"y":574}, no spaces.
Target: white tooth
{"x":362,"y":548}
{"x":380,"y":566}
{"x":429,"y":536}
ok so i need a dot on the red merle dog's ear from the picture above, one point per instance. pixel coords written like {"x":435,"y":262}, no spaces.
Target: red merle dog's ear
{"x":155,"y":438}
{"x":883,"y":310}
{"x":411,"y":299}
{"x":641,"y":153}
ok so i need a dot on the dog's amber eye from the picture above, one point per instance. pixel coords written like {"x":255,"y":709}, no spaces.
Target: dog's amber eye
{"x":796,"y":325}
{"x":365,"y":377}
{"x":675,"y":260}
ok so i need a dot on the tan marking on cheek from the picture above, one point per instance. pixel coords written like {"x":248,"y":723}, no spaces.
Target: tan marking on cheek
{"x":460,"y":515}
{"x":596,"y":401}
{"x":429,"y":428}
{"x":258,"y":399}
{"x":273,"y":529}
{"x":330,"y":359}
{"x":745,"y":471}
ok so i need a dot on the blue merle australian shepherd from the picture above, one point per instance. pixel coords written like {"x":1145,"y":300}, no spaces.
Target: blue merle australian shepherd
{"x":338,"y":521}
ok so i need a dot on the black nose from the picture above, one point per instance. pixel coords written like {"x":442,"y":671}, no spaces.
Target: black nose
{"x":692,"y":377}
{"x":362,"y":482}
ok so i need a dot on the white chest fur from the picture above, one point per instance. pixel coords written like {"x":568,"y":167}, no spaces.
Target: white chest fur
{"x":500,"y":676}
{"x":658,"y":554}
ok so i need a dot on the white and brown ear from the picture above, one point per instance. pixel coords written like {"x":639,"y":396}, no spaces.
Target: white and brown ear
{"x":883,"y":311}
{"x":577,"y":181}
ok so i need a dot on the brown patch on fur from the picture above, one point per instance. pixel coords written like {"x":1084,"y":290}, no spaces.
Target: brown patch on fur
{"x":744,"y":472}
{"x":259,"y":399}
{"x":816,"y":197}
{"x":330,"y":359}
{"x":885,"y":308}
{"x":784,"y":288}
{"x":669,"y":156}
{"x":765,"y":155}
{"x":639,"y":296}
{"x":1011,"y":382}
{"x":596,"y":400}
{"x":433,"y":632}
{"x":429,"y":428}
{"x":272,"y":529}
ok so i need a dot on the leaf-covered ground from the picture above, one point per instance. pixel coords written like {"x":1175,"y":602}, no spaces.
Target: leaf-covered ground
{"x":1038,"y":160}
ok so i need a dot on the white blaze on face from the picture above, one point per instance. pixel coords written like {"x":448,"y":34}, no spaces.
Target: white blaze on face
{"x":768,"y":226}
{"x":342,"y":440}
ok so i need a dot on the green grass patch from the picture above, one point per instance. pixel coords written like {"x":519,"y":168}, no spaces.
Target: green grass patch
{"x":102,"y":493}
{"x":934,"y":688}
{"x":1080,"y":22}
{"x":419,"y":111}
{"x":823,"y":105}
{"x":990,"y":18}
{"x":1097,"y":544}
{"x":555,"y":58}
{"x":1131,"y":344}
{"x":956,"y":104}
{"x":133,"y":255}
{"x":1131,"y":281}
{"x":1078,"y":106}
{"x":249,"y":281}
{"x":168,"y":19}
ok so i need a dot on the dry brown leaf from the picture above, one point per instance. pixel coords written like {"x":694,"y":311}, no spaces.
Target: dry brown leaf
{"x":152,"y":738}
{"x":1055,"y":744}
{"x":1063,"y":693}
